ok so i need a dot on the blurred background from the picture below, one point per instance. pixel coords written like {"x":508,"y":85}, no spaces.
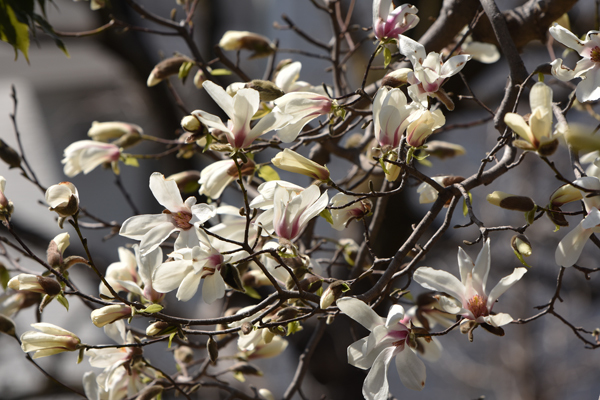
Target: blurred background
{"x":104,"y":80}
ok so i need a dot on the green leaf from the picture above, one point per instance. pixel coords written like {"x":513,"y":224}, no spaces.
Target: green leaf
{"x":13,"y":31}
{"x":220,"y":72}
{"x":530,"y":215}
{"x":184,"y":70}
{"x":131,"y":161}
{"x":80,"y":355}
{"x":239,"y":376}
{"x":63,"y":301}
{"x":465,"y":208}
{"x":327,"y":215}
{"x":345,"y":287}
{"x":267,"y":173}
{"x":152,"y":308}
{"x":171,"y":336}
{"x":48,"y":30}
{"x":209,"y":140}
{"x":293,"y":327}
{"x":520,"y":257}
{"x":387,"y":57}
{"x":4,"y":276}
{"x":250,"y":291}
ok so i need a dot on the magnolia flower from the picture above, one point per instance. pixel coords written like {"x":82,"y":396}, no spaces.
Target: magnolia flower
{"x":341,"y":217}
{"x":427,"y":193}
{"x":50,"y":339}
{"x":388,"y":23}
{"x":109,"y":314}
{"x":588,"y":68}
{"x":273,"y":348}
{"x":63,"y":199}
{"x":300,"y":108}
{"x":218,"y":175}
{"x":570,"y":247}
{"x":430,"y":71}
{"x":237,"y":40}
{"x":291,"y":213}
{"x":6,"y":206}
{"x":289,"y":160}
{"x":152,"y":230}
{"x":469,"y":298}
{"x":105,"y":131}
{"x":388,"y":338}
{"x":422,"y":127}
{"x":188,"y":268}
{"x":35,"y":283}
{"x":287,"y":79}
{"x":537,"y":135}
{"x":391,"y":116}
{"x":240,"y":109}
{"x":85,"y":155}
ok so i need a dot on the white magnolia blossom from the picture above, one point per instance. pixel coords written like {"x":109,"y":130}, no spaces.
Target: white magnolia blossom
{"x":108,"y":314}
{"x":152,"y":230}
{"x":273,"y":348}
{"x":105,"y":131}
{"x":391,"y":116}
{"x":389,"y":337}
{"x":570,"y":247}
{"x":188,"y":268}
{"x":50,"y":340}
{"x":63,"y":198}
{"x":85,"y":155}
{"x":240,"y":109}
{"x":299,"y":108}
{"x":427,"y":193}
{"x":485,"y":53}
{"x":216,"y":177}
{"x":341,"y":217}
{"x":469,"y":297}
{"x":6,"y":206}
{"x":422,"y":126}
{"x":429,"y":70}
{"x":389,"y":22}
{"x":287,"y":80}
{"x":289,"y":160}
{"x":588,"y":68}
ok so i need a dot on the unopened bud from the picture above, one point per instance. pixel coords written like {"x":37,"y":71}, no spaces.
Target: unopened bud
{"x":191,"y":124}
{"x":150,"y":393}
{"x":156,"y":328}
{"x":565,"y":194}
{"x":187,"y":181}
{"x":35,"y":283}
{"x":396,"y":78}
{"x":184,"y":354}
{"x":199,"y":79}
{"x":9,"y":155}
{"x":56,"y":248}
{"x":246,"y":328}
{"x":164,"y":69}
{"x":311,"y":284}
{"x":548,"y":147}
{"x":212,"y":349}
{"x":237,"y":40}
{"x":511,"y":202}
{"x":267,"y":90}
{"x":442,"y":150}
{"x":286,"y":313}
{"x":7,"y":325}
{"x":106,"y":131}
{"x":128,"y":140}
{"x":289,"y":160}
{"x":109,"y":314}
{"x":521,"y":245}
{"x":333,"y":292}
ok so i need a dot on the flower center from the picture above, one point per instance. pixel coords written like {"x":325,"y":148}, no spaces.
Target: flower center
{"x":595,"y":54}
{"x":478,"y":306}
{"x":182,"y":219}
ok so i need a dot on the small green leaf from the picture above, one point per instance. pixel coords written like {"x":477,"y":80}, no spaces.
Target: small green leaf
{"x":267,"y":173}
{"x":171,"y":336}
{"x":293,"y":327}
{"x":184,"y":70}
{"x":345,"y":287}
{"x":80,"y":355}
{"x":520,"y":257}
{"x":131,"y":161}
{"x":13,"y":31}
{"x":239,"y":376}
{"x":465,"y":208}
{"x":220,"y":72}
{"x":152,"y":308}
{"x":261,"y":112}
{"x":327,"y":215}
{"x":387,"y":57}
{"x":250,"y":291}
{"x":209,"y":140}
{"x":63,"y":301}
{"x":530,"y":215}
{"x":4,"y":276}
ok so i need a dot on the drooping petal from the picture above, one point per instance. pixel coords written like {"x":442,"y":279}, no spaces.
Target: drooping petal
{"x":360,"y":312}
{"x":220,"y":96}
{"x":412,"y":49}
{"x":211,"y":121}
{"x":213,"y":288}
{"x":155,"y":236}
{"x":189,"y":286}
{"x":567,"y":38}
{"x":498,"y":319}
{"x":454,"y":65}
{"x":168,"y":276}
{"x":376,"y":385}
{"x":570,"y":247}
{"x":443,"y":281}
{"x":410,"y":369}
{"x":137,"y":226}
{"x":504,"y":284}
{"x":562,"y":72}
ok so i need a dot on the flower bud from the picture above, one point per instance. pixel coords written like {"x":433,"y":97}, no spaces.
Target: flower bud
{"x":510,"y":201}
{"x":442,"y":150}
{"x":63,"y":199}
{"x":392,"y":171}
{"x":128,"y":140}
{"x":520,"y":244}
{"x":109,"y":314}
{"x":547,"y":147}
{"x":199,"y":79}
{"x":265,"y":394}
{"x":419,"y":130}
{"x":565,"y":194}
{"x":311,"y":284}
{"x":106,"y":131}
{"x":191,"y":124}
{"x":396,"y":78}
{"x":246,"y":328}
{"x":56,"y":248}
{"x":237,"y":40}
{"x":267,"y":90}
{"x":556,"y":217}
{"x":9,"y":155}
{"x":156,"y":328}
{"x":212,"y":349}
{"x":50,"y":340}
{"x":164,"y":69}
{"x":289,"y":160}
{"x":184,"y":354}
{"x":35,"y":283}
{"x":333,"y":292}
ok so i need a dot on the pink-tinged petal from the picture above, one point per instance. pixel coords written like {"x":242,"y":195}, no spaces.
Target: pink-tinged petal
{"x":267,"y":123}
{"x":482,"y":268}
{"x":413,"y":50}
{"x":376,"y":385}
{"x":213,"y":287}
{"x":155,"y":236}
{"x":567,"y":38}
{"x":504,"y":284}
{"x":168,"y":276}
{"x":465,"y":265}
{"x":360,"y":312}
{"x":166,"y":192}
{"x":314,"y":209}
{"x":589,"y":88}
{"x":410,"y":369}
{"x":381,"y":9}
{"x":395,"y":315}
{"x":211,"y":121}
{"x":498,"y":319}
{"x":569,"y":249}
{"x":454,"y":65}
{"x":245,"y":103}
{"x":519,"y":126}
{"x":220,"y":96}
{"x":389,"y":132}
{"x":442,"y":281}
{"x":189,"y":286}
{"x":137,"y":226}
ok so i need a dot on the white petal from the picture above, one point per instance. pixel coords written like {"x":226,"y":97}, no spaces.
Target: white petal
{"x":166,"y":192}
{"x":413,"y":50}
{"x":589,"y":88}
{"x":482,"y":268}
{"x":569,"y":249}
{"x":155,"y":236}
{"x":360,"y":312}
{"x":220,"y":96}
{"x":90,"y":386}
{"x":213,"y":288}
{"x":567,"y":38}
{"x":519,"y":126}
{"x":395,"y":315}
{"x":137,"y":226}
{"x":561,"y":72}
{"x":211,"y":121}
{"x":410,"y":369}
{"x":465,"y":265}
{"x":288,"y":75}
{"x":169,"y":275}
{"x":504,"y":284}
{"x":498,"y":319}
{"x":454,"y":65}
{"x":189,"y":286}
{"x":433,"y":279}
{"x":376,"y":385}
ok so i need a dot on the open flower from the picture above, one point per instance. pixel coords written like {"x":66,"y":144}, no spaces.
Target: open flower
{"x":152,"y":230}
{"x":218,"y":175}
{"x":50,"y":339}
{"x":537,"y":135}
{"x":469,"y":297}
{"x":422,"y":127}
{"x":388,"y":338}
{"x":240,"y":109}
{"x":570,"y":247}
{"x":63,"y":199}
{"x":588,"y":68}
{"x":85,"y":155}
{"x":341,"y":217}
{"x":388,"y":23}
{"x":391,"y":116}
{"x":300,"y":108}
